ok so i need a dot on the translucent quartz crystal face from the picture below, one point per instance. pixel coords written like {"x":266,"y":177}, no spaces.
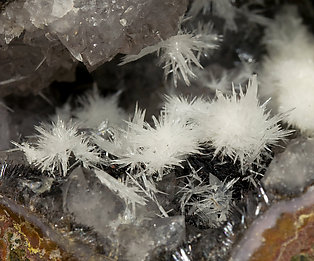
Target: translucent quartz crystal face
{"x":85,"y":218}
{"x":40,"y":40}
{"x":292,"y":170}
{"x":94,"y":31}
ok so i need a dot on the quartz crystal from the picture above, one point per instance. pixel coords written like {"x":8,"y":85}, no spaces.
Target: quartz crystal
{"x":292,"y":170}
{"x":91,"y":203}
{"x":94,"y":205}
{"x":35,"y":33}
{"x":29,"y":67}
{"x":151,"y":238}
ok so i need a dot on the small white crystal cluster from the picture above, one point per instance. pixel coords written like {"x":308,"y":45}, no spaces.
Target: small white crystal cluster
{"x":219,"y":78}
{"x":221,"y":8}
{"x":287,"y":73}
{"x":210,"y":202}
{"x":53,"y":146}
{"x":179,"y":53}
{"x":227,"y":10}
{"x":94,"y":110}
{"x":235,"y":125}
{"x":67,"y":141}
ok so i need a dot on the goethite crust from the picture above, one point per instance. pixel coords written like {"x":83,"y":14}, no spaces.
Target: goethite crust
{"x":292,"y":236}
{"x":21,"y":240}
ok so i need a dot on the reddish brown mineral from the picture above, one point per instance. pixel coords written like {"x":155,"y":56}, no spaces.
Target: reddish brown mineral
{"x":20,"y":240}
{"x":292,"y":236}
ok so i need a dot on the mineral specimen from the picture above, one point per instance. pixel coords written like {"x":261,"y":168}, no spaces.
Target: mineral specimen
{"x":185,"y":186}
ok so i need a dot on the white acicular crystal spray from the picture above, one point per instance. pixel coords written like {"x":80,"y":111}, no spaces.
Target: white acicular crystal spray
{"x":220,"y":8}
{"x":95,"y":109}
{"x":186,"y":110}
{"x":287,"y":73}
{"x":235,"y":125}
{"x":239,"y":127}
{"x":179,"y":53}
{"x":160,"y":147}
{"x":119,"y":139}
{"x":54,"y":145}
{"x":211,"y":203}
